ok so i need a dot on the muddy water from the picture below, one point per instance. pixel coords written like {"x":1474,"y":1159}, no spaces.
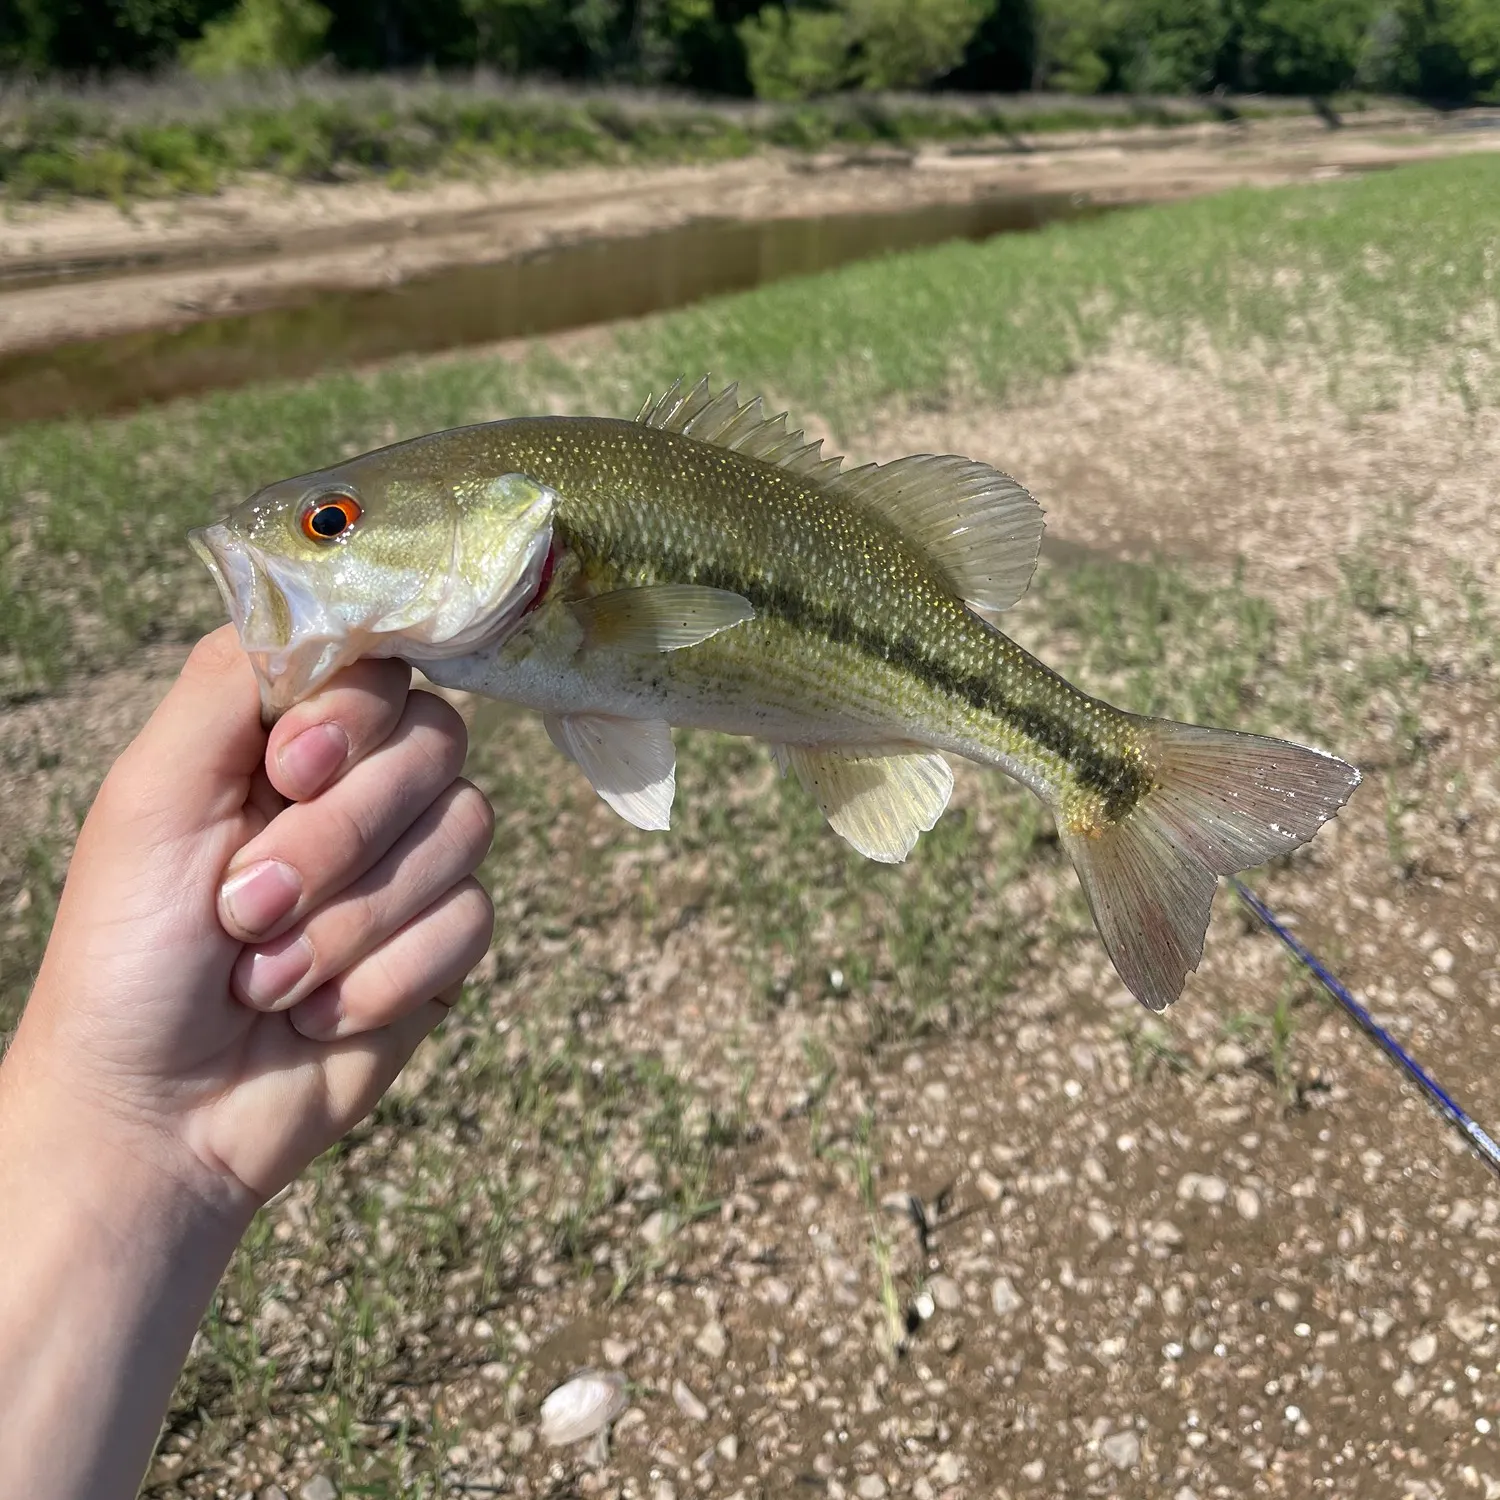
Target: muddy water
{"x":569,"y":287}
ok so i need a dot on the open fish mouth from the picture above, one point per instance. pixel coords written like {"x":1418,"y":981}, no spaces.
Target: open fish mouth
{"x":287,"y":633}
{"x":257,"y":604}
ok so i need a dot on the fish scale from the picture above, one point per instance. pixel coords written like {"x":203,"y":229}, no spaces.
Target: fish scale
{"x":705,"y":566}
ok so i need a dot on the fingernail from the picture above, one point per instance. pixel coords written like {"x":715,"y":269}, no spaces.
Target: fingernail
{"x":309,"y":760}
{"x":267,"y":977}
{"x":256,"y":899}
{"x":320,"y":1019}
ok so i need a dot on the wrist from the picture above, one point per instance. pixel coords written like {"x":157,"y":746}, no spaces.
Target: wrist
{"x":110,"y":1260}
{"x":92,"y":1158}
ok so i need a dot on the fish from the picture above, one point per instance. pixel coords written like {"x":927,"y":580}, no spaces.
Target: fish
{"x":706,"y":566}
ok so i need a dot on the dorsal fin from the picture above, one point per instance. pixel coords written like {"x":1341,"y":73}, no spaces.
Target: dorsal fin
{"x":977,"y":526}
{"x":741,"y":426}
{"x":981,"y":529}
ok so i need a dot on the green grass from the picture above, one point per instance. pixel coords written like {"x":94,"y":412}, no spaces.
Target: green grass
{"x":181,"y":136}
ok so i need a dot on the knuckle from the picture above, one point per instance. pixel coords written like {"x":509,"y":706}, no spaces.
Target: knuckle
{"x":440,"y":716}
{"x":477,"y":909}
{"x":473,"y":821}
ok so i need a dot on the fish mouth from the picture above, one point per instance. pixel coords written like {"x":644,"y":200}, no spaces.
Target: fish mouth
{"x":285,"y":631}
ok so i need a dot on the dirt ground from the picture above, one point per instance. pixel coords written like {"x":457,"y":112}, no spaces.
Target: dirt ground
{"x":87,"y":269}
{"x":1175,"y":1285}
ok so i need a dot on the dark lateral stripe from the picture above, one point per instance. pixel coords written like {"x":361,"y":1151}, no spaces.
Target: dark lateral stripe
{"x":1119,"y":780}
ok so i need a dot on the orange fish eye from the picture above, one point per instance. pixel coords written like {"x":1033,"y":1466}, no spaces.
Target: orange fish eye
{"x":329,"y":517}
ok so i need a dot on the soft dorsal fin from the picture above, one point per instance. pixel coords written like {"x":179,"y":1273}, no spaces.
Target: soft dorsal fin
{"x":977,"y":526}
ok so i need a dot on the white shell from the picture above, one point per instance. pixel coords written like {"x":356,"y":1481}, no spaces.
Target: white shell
{"x":582,"y":1406}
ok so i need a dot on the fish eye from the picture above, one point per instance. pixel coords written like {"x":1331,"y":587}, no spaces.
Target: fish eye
{"x":329,"y":516}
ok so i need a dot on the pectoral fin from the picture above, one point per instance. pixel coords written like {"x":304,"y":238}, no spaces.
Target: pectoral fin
{"x":661,"y":617}
{"x":879,"y":800}
{"x":631,"y":763}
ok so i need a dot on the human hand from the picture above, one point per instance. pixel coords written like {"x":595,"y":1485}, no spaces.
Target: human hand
{"x":230,"y":1035}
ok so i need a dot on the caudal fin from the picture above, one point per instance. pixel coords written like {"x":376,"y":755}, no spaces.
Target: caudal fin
{"x":1220,"y":802}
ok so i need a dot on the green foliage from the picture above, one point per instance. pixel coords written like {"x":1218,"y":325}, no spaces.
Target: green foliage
{"x":799,"y":52}
{"x":258,"y":35}
{"x":1443,"y":49}
{"x":795,"y":54}
{"x":905,"y":44}
{"x":1074,"y":40}
{"x":1172,"y":46}
{"x":1308,"y":46}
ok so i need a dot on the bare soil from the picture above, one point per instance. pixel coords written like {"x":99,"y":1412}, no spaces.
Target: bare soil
{"x":86,"y":269}
{"x":1176,"y":1284}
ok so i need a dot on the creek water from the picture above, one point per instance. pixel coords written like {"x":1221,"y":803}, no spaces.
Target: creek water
{"x":566,"y":287}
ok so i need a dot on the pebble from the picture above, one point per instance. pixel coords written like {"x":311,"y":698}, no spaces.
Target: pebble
{"x":712,"y":1341}
{"x":657,"y":1227}
{"x":1122,"y":1449}
{"x":274,"y":1492}
{"x":1101,"y":1226}
{"x":616,"y":1351}
{"x":728,"y":1448}
{"x":990,"y":1187}
{"x":948,"y":1470}
{"x":1247,"y":1203}
{"x":1004,"y":1297}
{"x":1206,"y":1189}
{"x":1422,"y":1349}
{"x":1034,"y":1470}
{"x":1165,"y":1233}
{"x":871,"y":1487}
{"x":1466,"y":1327}
{"x":1442,"y":960}
{"x":688,"y":1404}
{"x":946,"y":1293}
{"x":318,"y":1488}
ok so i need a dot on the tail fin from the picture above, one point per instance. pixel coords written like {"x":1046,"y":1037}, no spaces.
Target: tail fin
{"x":1221,"y":802}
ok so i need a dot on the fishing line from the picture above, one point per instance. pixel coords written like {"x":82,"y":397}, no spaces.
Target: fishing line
{"x":1477,"y":1136}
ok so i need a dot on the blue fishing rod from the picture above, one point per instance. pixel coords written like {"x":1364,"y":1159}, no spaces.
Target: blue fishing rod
{"x":1481,"y":1140}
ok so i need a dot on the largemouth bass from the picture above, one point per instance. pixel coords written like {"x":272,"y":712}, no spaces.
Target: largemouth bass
{"x":705,"y":566}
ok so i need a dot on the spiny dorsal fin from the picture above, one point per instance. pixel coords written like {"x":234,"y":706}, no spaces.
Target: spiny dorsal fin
{"x":977,"y":526}
{"x":741,"y":426}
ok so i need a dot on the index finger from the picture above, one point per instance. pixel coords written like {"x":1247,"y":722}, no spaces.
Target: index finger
{"x":316,"y":742}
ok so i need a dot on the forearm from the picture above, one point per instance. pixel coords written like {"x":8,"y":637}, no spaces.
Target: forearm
{"x":106,"y":1265}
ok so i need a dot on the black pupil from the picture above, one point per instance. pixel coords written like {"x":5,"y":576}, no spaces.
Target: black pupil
{"x":329,"y":520}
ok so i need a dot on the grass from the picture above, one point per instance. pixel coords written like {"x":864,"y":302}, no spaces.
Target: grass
{"x":176,"y":136}
{"x":535,"y":1142}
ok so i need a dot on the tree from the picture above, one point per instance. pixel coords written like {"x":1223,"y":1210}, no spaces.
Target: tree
{"x":260,"y":34}
{"x":797,"y":51}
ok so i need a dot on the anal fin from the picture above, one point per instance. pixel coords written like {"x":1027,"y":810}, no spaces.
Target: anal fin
{"x":631,"y":763}
{"x":878,"y":799}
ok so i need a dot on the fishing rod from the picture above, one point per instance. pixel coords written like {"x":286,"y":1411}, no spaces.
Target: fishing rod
{"x":1481,"y":1140}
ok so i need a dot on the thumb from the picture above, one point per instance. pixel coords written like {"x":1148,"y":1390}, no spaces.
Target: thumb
{"x":193,"y":764}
